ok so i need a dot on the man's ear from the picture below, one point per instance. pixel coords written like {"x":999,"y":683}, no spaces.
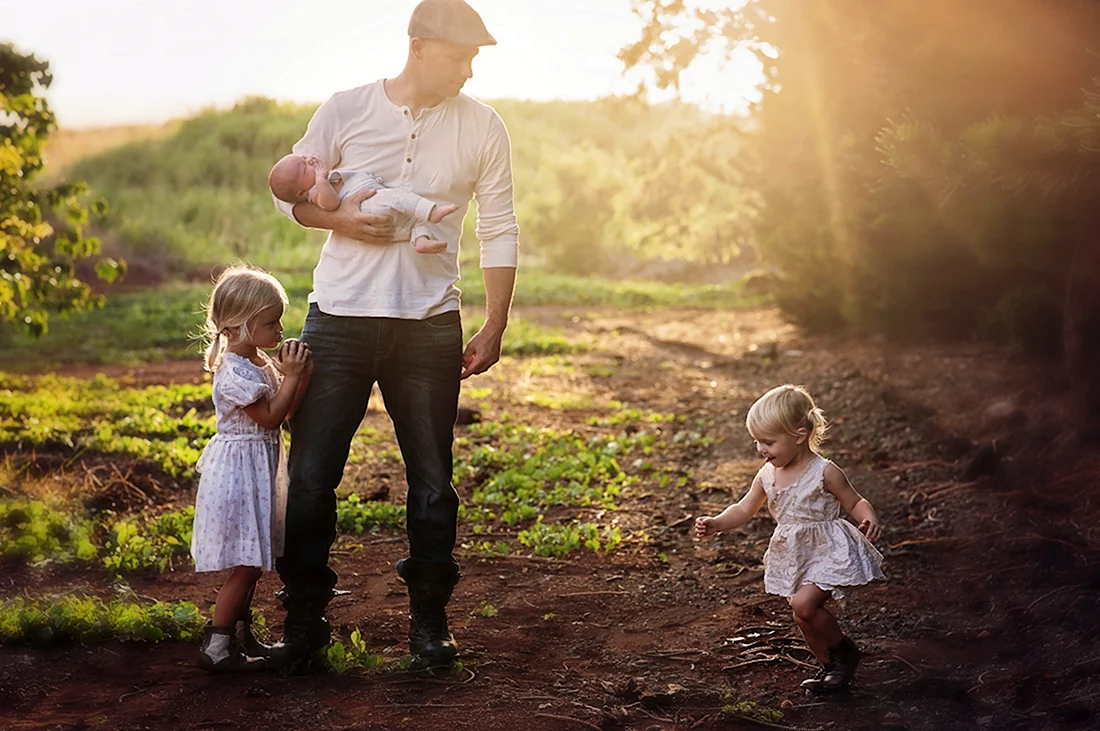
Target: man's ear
{"x":416,"y":48}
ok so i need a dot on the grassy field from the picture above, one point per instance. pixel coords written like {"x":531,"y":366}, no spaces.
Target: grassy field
{"x":164,"y":323}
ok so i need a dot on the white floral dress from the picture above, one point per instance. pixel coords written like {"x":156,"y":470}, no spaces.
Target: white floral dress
{"x":240,"y":509}
{"x":812,"y":544}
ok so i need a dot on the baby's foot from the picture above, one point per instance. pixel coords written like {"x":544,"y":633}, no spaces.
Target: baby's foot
{"x":440,"y":212}
{"x":424,"y":245}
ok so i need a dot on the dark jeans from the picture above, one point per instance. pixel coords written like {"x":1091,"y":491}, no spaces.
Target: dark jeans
{"x":417,"y":364}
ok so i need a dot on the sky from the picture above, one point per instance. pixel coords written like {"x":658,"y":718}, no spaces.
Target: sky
{"x":147,"y":61}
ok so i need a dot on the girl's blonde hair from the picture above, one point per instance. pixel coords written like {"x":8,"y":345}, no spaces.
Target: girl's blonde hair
{"x":786,"y":409}
{"x":240,"y":293}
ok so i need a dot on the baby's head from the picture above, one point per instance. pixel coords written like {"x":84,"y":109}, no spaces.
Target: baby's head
{"x":787,"y":410}
{"x":293,"y":176}
{"x":241,"y":293}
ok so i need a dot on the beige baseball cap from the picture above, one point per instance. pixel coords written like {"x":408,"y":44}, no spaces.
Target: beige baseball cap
{"x":449,"y":20}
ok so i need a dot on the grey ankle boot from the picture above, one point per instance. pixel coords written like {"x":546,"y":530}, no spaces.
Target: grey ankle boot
{"x":219,"y":652}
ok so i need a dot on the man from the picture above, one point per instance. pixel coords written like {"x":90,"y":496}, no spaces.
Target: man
{"x":380,"y":311}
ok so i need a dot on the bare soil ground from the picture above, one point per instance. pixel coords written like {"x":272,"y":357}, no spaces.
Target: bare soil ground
{"x":987,"y":619}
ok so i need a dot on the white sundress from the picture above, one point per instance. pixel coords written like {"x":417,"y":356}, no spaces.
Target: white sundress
{"x":240,"y":509}
{"x":812,"y":544}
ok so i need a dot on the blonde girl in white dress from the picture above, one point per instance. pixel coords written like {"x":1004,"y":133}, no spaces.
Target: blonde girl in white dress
{"x":813,"y":551}
{"x":240,"y":508}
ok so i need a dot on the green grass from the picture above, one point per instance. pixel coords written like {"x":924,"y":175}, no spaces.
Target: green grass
{"x":164,"y":323}
{"x":160,"y":424}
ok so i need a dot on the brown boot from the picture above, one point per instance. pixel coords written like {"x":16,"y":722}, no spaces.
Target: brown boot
{"x":246,"y":641}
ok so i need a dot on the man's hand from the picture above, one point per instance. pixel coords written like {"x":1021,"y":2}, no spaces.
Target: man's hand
{"x":351,"y":222}
{"x":483,"y":351}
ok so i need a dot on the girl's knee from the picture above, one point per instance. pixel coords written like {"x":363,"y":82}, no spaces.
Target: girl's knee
{"x":805,"y":605}
{"x":803,"y":610}
{"x":248,"y":573}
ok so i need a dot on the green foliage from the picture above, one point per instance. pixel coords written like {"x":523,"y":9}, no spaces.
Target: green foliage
{"x":526,"y":470}
{"x":149,"y":542}
{"x":752,"y":711}
{"x":599,"y":185}
{"x":340,"y":658}
{"x":560,"y":539}
{"x":525,"y":338}
{"x":37,"y":532}
{"x":359,"y":516}
{"x":60,"y":619}
{"x":896,"y":194}
{"x":159,"y":423}
{"x":155,"y":325}
{"x":36,"y":252}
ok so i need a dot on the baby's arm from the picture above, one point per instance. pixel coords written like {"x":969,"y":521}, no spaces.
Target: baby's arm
{"x":323,"y":194}
{"x":736,"y":514}
{"x":271,"y":413}
{"x":855,"y":504}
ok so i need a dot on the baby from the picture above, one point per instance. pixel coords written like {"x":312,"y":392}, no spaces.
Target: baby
{"x":299,"y":178}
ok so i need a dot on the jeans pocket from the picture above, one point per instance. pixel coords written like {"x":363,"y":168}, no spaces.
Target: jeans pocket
{"x":443,"y":321}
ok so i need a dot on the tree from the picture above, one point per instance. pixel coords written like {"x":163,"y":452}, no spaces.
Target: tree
{"x":41,"y":230}
{"x":1049,"y":165}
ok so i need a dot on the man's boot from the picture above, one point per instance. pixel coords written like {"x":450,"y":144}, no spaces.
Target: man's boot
{"x":430,"y":587}
{"x":305,"y":630}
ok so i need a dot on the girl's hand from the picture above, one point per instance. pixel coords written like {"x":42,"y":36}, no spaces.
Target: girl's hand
{"x":703,"y":527}
{"x":294,"y":357}
{"x":870,"y":529}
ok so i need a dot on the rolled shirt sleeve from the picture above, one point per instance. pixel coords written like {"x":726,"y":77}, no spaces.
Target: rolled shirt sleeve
{"x":497,"y":229}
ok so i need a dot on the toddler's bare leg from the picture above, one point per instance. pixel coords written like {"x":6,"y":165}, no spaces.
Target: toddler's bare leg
{"x":818,"y":625}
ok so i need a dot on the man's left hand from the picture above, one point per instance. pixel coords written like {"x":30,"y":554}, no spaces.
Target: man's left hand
{"x":483,"y":351}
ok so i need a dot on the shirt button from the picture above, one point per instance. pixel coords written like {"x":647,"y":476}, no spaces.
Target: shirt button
{"x":408,"y":159}
{"x":414,"y":135}
{"x":406,"y":112}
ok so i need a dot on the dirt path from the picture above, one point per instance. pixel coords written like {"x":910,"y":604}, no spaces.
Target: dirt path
{"x":985,"y":622}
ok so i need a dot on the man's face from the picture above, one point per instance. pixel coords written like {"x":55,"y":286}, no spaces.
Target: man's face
{"x":446,"y":67}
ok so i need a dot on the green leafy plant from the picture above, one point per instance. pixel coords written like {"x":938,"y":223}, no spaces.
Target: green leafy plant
{"x":36,"y":532}
{"x":149,"y":543}
{"x":60,"y":619}
{"x":359,"y":516}
{"x":560,"y":539}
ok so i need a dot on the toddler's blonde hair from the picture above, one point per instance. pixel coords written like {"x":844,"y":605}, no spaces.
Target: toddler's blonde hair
{"x":786,"y":409}
{"x":240,"y":293}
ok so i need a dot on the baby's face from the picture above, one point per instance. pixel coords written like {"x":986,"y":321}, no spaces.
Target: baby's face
{"x":305,"y":175}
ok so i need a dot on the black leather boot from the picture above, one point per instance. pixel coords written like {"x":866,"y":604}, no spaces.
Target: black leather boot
{"x":839,"y":671}
{"x":814,"y":684}
{"x":430,"y":587}
{"x":305,"y":630}
{"x":843,"y":670}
